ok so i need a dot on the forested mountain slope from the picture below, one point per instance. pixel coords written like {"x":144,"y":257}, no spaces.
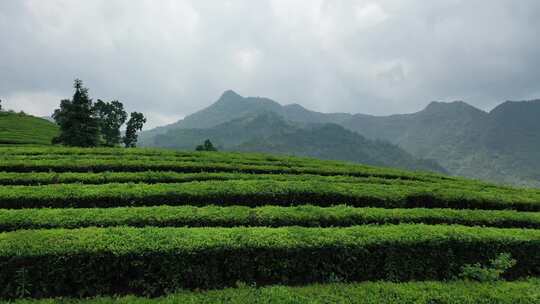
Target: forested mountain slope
{"x":271,"y":133}
{"x":501,"y":145}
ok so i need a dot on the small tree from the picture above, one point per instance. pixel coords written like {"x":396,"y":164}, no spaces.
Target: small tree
{"x":0,"y":105}
{"x":206,"y":146}
{"x":111,"y":117}
{"x":78,"y":125}
{"x":135,"y":123}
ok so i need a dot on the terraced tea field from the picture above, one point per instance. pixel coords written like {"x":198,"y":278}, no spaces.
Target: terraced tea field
{"x":78,"y":223}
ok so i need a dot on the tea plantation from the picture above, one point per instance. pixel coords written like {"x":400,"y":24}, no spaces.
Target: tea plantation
{"x":107,"y":225}
{"x":23,"y":129}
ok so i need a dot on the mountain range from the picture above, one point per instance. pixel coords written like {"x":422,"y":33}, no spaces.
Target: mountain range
{"x":502,"y":145}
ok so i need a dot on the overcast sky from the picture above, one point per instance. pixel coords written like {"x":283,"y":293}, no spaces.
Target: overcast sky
{"x":169,"y":58}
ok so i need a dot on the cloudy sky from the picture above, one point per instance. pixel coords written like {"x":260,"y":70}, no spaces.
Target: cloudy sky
{"x":169,"y":58}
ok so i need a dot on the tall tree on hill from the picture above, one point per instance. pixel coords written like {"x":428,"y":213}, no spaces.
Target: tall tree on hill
{"x":135,"y":123}
{"x":111,"y":116}
{"x":76,"y":119}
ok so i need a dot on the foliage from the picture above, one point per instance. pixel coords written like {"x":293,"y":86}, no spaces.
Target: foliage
{"x":206,"y":146}
{"x":269,"y":216}
{"x":85,"y":124}
{"x":182,"y":226}
{"x":360,"y":293}
{"x":111,"y":116}
{"x":77,"y":121}
{"x":334,"y":182}
{"x":498,"y":266}
{"x":261,"y":192}
{"x":28,"y":130}
{"x":135,"y":123}
{"x":151,"y":261}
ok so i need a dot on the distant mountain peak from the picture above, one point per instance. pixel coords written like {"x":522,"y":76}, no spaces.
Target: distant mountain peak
{"x":294,"y":106}
{"x":516,"y":104}
{"x":230,"y":94}
{"x":444,"y":104}
{"x":449,"y":107}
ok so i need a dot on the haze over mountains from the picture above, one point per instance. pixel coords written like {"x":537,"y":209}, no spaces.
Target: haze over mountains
{"x":502,"y":145}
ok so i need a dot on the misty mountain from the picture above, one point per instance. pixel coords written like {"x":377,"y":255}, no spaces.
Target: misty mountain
{"x":228,"y":134}
{"x":332,"y":141}
{"x":269,"y":132}
{"x":232,"y":106}
{"x":501,"y":145}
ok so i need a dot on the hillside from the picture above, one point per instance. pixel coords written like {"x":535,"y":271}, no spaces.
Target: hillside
{"x":331,"y":141}
{"x":501,"y":145}
{"x":18,"y":128}
{"x":269,"y":132}
{"x":109,"y":222}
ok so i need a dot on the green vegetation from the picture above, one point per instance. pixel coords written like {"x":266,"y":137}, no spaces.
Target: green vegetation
{"x":523,"y":292}
{"x":261,"y":192}
{"x":134,"y":124}
{"x":111,"y":116}
{"x":150,"y":261}
{"x":84,"y":123}
{"x":270,"y":216}
{"x":491,"y":273}
{"x":147,"y":222}
{"x":16,"y":128}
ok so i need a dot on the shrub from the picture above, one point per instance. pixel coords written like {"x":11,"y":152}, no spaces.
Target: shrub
{"x":152,"y":261}
{"x":491,"y":273}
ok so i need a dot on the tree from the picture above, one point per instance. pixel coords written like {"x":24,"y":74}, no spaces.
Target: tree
{"x":0,"y":105}
{"x":111,"y":116}
{"x":135,"y":123}
{"x":207,"y":146}
{"x":76,"y":119}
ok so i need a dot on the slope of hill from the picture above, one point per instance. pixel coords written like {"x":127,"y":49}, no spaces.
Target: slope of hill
{"x":80,"y":223}
{"x":18,"y":128}
{"x":501,"y":145}
{"x":332,"y":141}
{"x":270,"y":132}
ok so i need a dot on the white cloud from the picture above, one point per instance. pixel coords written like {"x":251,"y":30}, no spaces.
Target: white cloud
{"x":247,"y":59}
{"x":36,"y":103}
{"x":370,"y":14}
{"x":177,"y":56}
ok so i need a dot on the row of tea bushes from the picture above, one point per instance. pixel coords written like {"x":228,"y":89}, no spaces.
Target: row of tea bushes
{"x":153,"y":261}
{"x":269,"y":216}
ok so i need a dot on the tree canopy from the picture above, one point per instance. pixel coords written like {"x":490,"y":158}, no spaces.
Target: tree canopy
{"x":76,"y":119}
{"x":111,"y":116}
{"x":135,"y":123}
{"x":86,"y":124}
